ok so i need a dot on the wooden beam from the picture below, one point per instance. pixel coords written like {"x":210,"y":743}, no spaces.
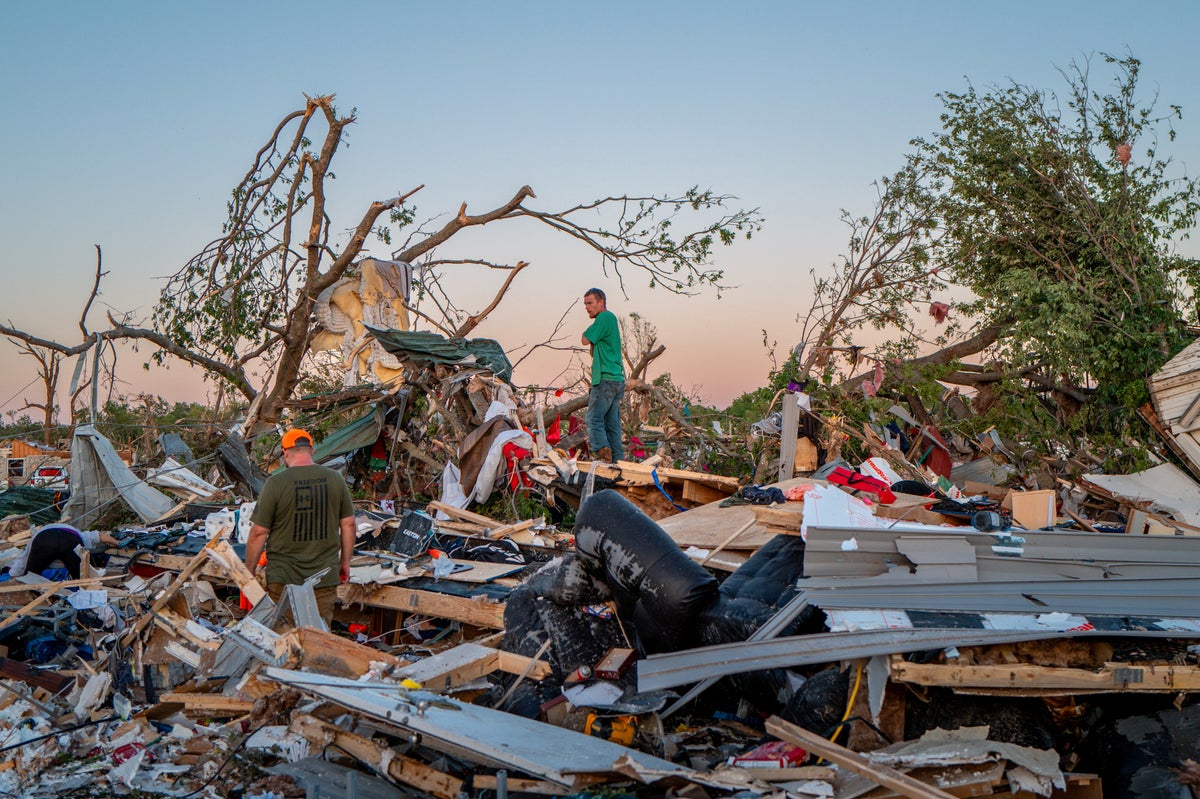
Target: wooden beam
{"x":509,"y":529}
{"x":464,"y":515}
{"x":1125,"y":677}
{"x":700,"y":494}
{"x":787,"y":773}
{"x":468,"y":662}
{"x":852,"y":761}
{"x":221,"y":553}
{"x":729,"y":540}
{"x":489,"y":782}
{"x":478,"y":612}
{"x":317,"y":650}
{"x":388,"y":762}
{"x":214,"y":704}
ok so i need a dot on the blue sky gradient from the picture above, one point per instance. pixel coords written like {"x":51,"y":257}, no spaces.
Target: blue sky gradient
{"x":129,"y":122}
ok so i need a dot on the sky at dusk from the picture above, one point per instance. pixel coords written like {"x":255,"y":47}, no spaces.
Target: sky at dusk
{"x":128,"y":123}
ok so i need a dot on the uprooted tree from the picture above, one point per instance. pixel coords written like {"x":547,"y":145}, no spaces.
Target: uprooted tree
{"x":242,"y":308}
{"x":1045,"y":229}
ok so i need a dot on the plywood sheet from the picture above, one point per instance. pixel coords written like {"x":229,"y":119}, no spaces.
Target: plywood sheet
{"x":707,"y":526}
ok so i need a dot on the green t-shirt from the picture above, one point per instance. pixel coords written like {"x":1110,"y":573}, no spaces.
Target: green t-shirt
{"x":303,"y":508}
{"x":605,"y":336}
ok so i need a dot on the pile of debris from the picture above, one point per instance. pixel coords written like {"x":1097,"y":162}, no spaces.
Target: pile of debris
{"x":900,"y":626}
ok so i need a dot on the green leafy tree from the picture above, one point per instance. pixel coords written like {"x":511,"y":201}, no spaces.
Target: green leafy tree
{"x":1062,"y":217}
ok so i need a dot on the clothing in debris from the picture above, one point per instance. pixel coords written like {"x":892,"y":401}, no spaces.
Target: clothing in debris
{"x":608,"y":377}
{"x":57,"y":542}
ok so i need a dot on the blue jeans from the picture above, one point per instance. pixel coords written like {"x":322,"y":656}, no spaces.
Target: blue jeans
{"x":604,"y":417}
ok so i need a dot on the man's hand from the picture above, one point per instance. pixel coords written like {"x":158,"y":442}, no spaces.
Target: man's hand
{"x":344,"y":571}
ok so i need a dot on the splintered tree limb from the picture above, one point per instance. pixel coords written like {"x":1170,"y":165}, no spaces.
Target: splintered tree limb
{"x":474,"y":320}
{"x":87,"y":306}
{"x":638,"y":370}
{"x":977,"y":343}
{"x":673,"y":411}
{"x":529,"y":415}
{"x":235,"y":376}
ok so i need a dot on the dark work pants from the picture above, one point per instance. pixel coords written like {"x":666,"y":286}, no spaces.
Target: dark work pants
{"x":52,"y":545}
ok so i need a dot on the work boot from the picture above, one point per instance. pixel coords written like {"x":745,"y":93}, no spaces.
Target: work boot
{"x":604,"y":455}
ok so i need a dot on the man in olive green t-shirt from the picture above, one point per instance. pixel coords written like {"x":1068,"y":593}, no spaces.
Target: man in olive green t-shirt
{"x":304,"y":520}
{"x":608,"y":379}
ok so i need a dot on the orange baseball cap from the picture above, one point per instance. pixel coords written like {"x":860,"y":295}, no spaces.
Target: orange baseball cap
{"x":296,"y":436}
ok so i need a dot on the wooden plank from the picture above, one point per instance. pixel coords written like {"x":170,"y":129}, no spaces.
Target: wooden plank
{"x":708,"y":525}
{"x":168,"y":593}
{"x":1112,"y":677}
{"x":222,"y":553}
{"x":699,"y":494}
{"x":211,"y":570}
{"x":489,"y":782}
{"x":464,"y":515}
{"x":468,"y":662}
{"x":318,"y":650}
{"x":214,"y":704}
{"x":512,"y":663}
{"x":847,"y":759}
{"x":478,"y":612}
{"x":789,"y":774}
{"x":384,"y":760}
{"x":788,"y":516}
{"x":510,"y":529}
{"x":91,"y":582}
{"x":732,"y":537}
{"x":177,"y":626}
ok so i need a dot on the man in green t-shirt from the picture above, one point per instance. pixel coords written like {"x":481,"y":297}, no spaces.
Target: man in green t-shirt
{"x":608,"y":379}
{"x":304,"y":520}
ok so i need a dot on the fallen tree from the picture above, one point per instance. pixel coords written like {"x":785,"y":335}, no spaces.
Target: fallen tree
{"x":241,"y":309}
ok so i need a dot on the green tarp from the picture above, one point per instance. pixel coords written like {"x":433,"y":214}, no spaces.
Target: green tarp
{"x":36,"y":503}
{"x":358,"y":434}
{"x":422,"y":347}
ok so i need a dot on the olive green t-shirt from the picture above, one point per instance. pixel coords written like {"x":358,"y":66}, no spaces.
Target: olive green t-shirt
{"x":302,"y":507}
{"x":605,"y":336}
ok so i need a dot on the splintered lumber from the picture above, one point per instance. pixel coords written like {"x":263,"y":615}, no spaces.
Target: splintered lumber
{"x":384,"y":760}
{"x":318,"y":650}
{"x":475,"y":611}
{"x":787,"y":516}
{"x":490,"y":782}
{"x":177,"y":626}
{"x":509,"y":529}
{"x":1123,"y":677}
{"x":788,"y":773}
{"x":630,"y":473}
{"x":168,"y":593}
{"x":465,"y":515}
{"x":221,"y":553}
{"x":468,"y":662}
{"x":209,"y":704}
{"x":841,"y":756}
{"x":173,"y":563}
